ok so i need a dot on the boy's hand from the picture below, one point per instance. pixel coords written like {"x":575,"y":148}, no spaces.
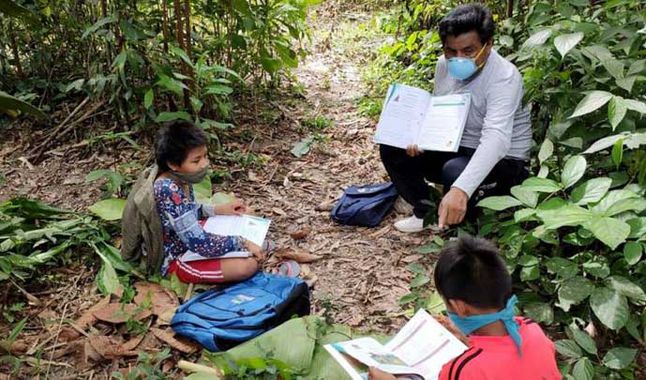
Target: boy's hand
{"x":446,"y":322}
{"x":255,"y":250}
{"x":375,"y":374}
{"x":235,"y":207}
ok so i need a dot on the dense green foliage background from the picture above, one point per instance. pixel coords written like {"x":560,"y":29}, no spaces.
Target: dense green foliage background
{"x":573,"y":233}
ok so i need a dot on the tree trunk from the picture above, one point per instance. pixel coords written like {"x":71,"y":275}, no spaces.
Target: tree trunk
{"x":165,"y":24}
{"x":510,"y":8}
{"x":187,"y":20}
{"x":179,"y":36}
{"x":14,"y":51}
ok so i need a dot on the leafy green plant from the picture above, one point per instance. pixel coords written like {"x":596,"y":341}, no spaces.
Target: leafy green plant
{"x":114,"y":181}
{"x":33,"y":234}
{"x":148,"y":367}
{"x":574,"y":234}
{"x":6,"y":343}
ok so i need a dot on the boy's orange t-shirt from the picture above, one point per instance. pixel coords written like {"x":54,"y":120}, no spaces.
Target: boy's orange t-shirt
{"x":497,"y":358}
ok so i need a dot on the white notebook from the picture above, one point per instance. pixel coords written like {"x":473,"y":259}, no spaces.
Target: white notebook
{"x":412,"y":116}
{"x":250,"y":227}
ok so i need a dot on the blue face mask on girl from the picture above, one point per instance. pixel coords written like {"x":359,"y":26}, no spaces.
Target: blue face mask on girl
{"x":463,"y":68}
{"x":471,"y":323}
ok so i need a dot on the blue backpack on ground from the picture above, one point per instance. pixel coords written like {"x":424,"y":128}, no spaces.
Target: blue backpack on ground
{"x":365,"y":205}
{"x":219,"y":319}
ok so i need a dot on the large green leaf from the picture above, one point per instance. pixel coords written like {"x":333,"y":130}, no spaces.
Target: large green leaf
{"x":612,"y":198}
{"x":528,"y":197}
{"x":584,"y":340}
{"x":591,"y":191}
{"x":616,"y":111}
{"x":538,"y":38}
{"x":619,"y":357}
{"x":565,"y":42}
{"x":109,"y":209}
{"x":546,"y":151}
{"x":592,"y":102}
{"x":633,"y":252}
{"x":629,"y":204}
{"x":573,"y":170}
{"x":541,"y":185}
{"x":610,"y":307}
{"x":12,"y":9}
{"x":635,"y":105}
{"x":583,"y":369}
{"x":11,"y":103}
{"x":626,"y":287}
{"x":540,"y":312}
{"x":568,"y":215}
{"x":171,"y":116}
{"x":499,"y":203}
{"x":610,"y":231}
{"x":574,"y":290}
{"x":568,"y":348}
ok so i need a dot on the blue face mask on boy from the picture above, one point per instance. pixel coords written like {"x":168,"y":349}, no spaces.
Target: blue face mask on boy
{"x":471,"y":323}
{"x":463,"y":68}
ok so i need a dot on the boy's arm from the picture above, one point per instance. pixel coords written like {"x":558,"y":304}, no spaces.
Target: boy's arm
{"x":183,"y":217}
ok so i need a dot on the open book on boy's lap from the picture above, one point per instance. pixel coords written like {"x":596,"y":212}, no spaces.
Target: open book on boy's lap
{"x":412,"y":116}
{"x":250,"y":227}
{"x":418,"y":351}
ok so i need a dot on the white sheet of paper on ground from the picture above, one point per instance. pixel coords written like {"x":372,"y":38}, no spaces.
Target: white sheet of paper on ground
{"x":413,"y":116}
{"x":422,"y":347}
{"x":252,"y":228}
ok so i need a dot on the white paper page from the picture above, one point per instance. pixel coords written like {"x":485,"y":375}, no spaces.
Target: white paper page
{"x":442,"y":127}
{"x":373,"y":354}
{"x":401,"y":115}
{"x":192,"y":256}
{"x":249,"y":227}
{"x":353,"y":372}
{"x":424,"y":344}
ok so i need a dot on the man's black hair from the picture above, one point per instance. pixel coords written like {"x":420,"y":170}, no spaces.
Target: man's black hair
{"x":175,"y":140}
{"x":471,"y":269}
{"x":466,"y":18}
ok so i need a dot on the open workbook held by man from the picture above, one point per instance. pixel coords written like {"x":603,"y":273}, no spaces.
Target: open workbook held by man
{"x":412,"y":116}
{"x":418,"y":351}
{"x":250,"y":227}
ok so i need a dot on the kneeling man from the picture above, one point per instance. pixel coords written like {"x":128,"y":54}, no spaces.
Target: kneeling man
{"x":497,"y":138}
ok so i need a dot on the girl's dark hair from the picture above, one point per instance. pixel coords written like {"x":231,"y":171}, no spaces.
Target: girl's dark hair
{"x":471,"y":269}
{"x":466,"y":18}
{"x":175,"y":140}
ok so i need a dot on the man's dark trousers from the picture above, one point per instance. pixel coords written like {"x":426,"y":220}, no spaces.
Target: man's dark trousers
{"x":409,"y":175}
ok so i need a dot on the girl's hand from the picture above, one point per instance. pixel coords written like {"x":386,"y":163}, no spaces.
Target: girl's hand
{"x":255,"y":250}
{"x":235,"y":207}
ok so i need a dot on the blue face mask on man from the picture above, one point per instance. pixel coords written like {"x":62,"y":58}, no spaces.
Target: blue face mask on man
{"x":462,"y":68}
{"x":471,"y":323}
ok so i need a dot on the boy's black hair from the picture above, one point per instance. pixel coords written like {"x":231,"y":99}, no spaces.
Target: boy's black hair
{"x":175,"y":140}
{"x":466,"y":18}
{"x":471,"y":269}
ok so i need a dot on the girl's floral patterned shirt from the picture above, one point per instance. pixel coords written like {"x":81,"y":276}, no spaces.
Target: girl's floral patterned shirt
{"x":181,"y":230}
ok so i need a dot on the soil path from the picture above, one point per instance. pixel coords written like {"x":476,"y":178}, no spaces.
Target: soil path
{"x":362,"y":275}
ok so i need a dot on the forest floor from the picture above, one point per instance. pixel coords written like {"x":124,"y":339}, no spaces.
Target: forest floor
{"x":362,"y":273}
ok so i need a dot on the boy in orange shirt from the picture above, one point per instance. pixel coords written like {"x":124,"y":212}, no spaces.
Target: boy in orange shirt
{"x":474,"y":282}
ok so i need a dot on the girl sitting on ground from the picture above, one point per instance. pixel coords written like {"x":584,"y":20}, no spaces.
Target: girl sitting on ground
{"x":182,"y":158}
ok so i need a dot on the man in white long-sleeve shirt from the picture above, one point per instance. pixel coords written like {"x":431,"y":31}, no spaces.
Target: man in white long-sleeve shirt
{"x":497,"y":138}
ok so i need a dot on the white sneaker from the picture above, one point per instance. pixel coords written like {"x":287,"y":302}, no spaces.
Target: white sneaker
{"x":410,"y":224}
